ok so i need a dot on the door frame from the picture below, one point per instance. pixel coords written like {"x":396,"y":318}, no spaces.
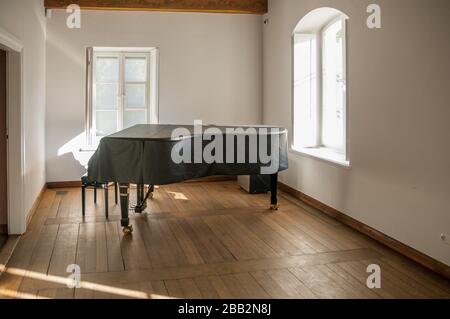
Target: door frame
{"x":16,"y":219}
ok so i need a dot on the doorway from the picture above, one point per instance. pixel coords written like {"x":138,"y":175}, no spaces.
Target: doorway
{"x":3,"y":152}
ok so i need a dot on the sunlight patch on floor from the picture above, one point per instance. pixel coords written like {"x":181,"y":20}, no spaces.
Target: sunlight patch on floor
{"x":178,"y":196}
{"x":66,"y":280}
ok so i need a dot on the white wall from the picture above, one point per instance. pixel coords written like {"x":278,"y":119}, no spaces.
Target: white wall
{"x":210,"y":69}
{"x":24,"y":19}
{"x":399,"y":182}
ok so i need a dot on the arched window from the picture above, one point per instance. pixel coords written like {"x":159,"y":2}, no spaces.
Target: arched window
{"x":320,"y":85}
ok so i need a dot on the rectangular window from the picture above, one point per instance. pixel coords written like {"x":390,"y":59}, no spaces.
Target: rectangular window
{"x":122,"y":91}
{"x":320,"y":95}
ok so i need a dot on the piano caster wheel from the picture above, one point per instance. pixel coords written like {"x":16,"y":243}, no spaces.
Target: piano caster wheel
{"x":274,"y":207}
{"x":128,"y":230}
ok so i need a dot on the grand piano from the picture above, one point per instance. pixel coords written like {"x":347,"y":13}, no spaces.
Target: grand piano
{"x":150,"y":155}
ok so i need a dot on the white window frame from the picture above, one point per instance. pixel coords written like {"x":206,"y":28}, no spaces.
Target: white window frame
{"x":151,"y":96}
{"x":337,"y":156}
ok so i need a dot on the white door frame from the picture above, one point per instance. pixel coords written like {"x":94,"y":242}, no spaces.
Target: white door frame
{"x":17,"y":223}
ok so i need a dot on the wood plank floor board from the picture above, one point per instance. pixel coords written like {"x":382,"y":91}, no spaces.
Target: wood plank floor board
{"x":296,"y":204}
{"x":295,"y":238}
{"x":320,"y":283}
{"x":158,"y":290}
{"x":273,"y":289}
{"x":92,"y":251}
{"x":225,"y":235}
{"x":234,"y":286}
{"x":196,"y":196}
{"x":206,"y":288}
{"x":345,"y":242}
{"x":12,"y":277}
{"x":114,"y":254}
{"x":53,"y":213}
{"x":183,"y":289}
{"x":209,"y":246}
{"x":322,"y":237}
{"x":151,"y":237}
{"x":43,"y":251}
{"x":64,"y":207}
{"x":190,"y":289}
{"x":174,"y":289}
{"x":388,"y":290}
{"x":270,"y":236}
{"x":75,"y":202}
{"x":17,"y":268}
{"x":439,"y":285}
{"x":293,"y":231}
{"x":348,"y":282}
{"x":208,"y":201}
{"x":294,"y":287}
{"x":164,"y":201}
{"x":56,"y":293}
{"x":191,"y":271}
{"x":182,"y":200}
{"x":158,"y":246}
{"x":201,"y":240}
{"x":251,"y":286}
{"x":64,"y":252}
{"x":221,"y":287}
{"x":187,"y":245}
{"x":173,"y":247}
{"x":247,"y":238}
{"x":402,"y":281}
{"x":133,"y":248}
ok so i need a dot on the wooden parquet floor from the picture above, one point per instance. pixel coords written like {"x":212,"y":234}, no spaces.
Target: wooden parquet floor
{"x":203,"y":240}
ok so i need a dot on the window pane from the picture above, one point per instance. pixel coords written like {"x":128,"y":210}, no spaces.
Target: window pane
{"x":107,"y":69}
{"x":131,"y":118}
{"x":106,"y":122}
{"x":135,"y":69}
{"x":107,"y":96}
{"x":136,"y":95}
{"x":333,"y":86}
{"x":305,"y":91}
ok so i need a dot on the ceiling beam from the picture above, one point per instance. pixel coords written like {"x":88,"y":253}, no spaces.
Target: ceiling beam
{"x":220,"y":6}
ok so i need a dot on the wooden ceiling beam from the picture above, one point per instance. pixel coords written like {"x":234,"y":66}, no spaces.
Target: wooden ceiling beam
{"x":219,"y":6}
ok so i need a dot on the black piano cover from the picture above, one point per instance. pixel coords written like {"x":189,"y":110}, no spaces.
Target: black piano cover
{"x":142,"y":155}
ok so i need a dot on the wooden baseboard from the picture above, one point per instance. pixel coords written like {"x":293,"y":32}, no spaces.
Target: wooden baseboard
{"x":74,"y":184}
{"x":394,"y":244}
{"x":35,"y":204}
{"x":68,"y":184}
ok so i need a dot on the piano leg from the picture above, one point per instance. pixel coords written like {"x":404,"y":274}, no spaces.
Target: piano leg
{"x":124,"y":205}
{"x":273,"y":192}
{"x":151,"y":189}
{"x":141,"y":204}
{"x":138,"y":194}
